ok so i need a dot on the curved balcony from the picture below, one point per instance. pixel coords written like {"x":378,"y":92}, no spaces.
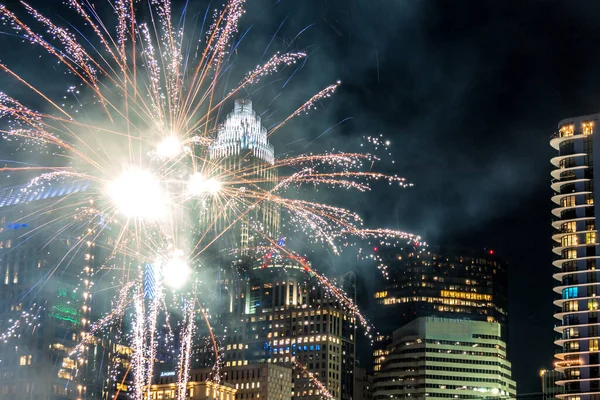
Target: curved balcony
{"x":556,"y":185}
{"x":560,"y":342}
{"x":559,"y":249}
{"x":559,"y":289}
{"x":556,"y":173}
{"x":560,"y":302}
{"x":558,"y":210}
{"x":574,"y":366}
{"x":556,"y":160}
{"x":565,"y":381}
{"x":562,"y":314}
{"x":561,"y":356}
{"x":556,"y":141}
{"x":558,"y":263}
{"x":561,"y":328}
{"x":556,"y":198}
{"x":560,"y":275}
{"x":558,"y":223}
{"x":576,"y":394}
{"x":558,"y":236}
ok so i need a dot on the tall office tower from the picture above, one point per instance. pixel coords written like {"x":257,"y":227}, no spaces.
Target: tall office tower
{"x":441,"y":282}
{"x":46,"y":299}
{"x":283,"y":316}
{"x":243,"y":148}
{"x":576,"y":255}
{"x":549,"y":387}
{"x":445,"y":358}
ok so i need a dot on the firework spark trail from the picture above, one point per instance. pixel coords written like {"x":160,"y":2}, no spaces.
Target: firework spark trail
{"x":213,"y":340}
{"x":315,"y":380}
{"x":138,"y":359}
{"x":122,"y":302}
{"x":251,"y":78}
{"x":152,"y":347}
{"x":139,"y":79}
{"x":309,"y":105}
{"x":186,"y":351}
{"x":22,"y":319}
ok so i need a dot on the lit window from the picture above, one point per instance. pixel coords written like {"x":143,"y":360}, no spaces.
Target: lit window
{"x":587,"y":128}
{"x":571,"y":306}
{"x":590,"y":237}
{"x":567,"y":130}
{"x":570,"y":293}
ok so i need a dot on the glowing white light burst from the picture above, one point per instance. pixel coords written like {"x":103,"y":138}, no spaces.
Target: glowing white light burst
{"x":176,"y":271}
{"x":138,"y":194}
{"x":169,"y":147}
{"x":198,"y":185}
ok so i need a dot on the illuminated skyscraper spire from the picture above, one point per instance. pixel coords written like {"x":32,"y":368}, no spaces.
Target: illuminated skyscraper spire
{"x":242,"y":144}
{"x":242,"y":130}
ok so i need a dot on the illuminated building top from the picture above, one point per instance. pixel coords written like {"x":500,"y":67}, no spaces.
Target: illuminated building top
{"x":242,"y":130}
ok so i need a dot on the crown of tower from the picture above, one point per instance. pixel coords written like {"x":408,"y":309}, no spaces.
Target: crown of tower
{"x":242,"y":131}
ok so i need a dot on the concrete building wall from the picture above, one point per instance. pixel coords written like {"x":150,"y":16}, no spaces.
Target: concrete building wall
{"x":440,"y":358}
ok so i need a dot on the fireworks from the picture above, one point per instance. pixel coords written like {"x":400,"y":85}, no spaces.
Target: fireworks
{"x":158,"y":164}
{"x":138,"y":194}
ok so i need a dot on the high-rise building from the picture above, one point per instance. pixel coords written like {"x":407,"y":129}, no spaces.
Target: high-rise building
{"x":576,"y":256}
{"x":549,"y":387}
{"x":282,"y":315}
{"x":445,"y":358}
{"x":442,"y":282}
{"x":243,"y":150}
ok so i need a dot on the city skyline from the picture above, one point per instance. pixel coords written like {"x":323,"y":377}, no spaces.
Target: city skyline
{"x":468,"y":95}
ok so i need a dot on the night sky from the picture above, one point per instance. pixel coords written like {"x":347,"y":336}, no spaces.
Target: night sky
{"x":468,"y":92}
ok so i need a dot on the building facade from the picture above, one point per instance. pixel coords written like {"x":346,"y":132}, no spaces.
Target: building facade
{"x":50,"y":293}
{"x":203,"y":390}
{"x":443,"y":282}
{"x":445,"y":358}
{"x":576,"y":256}
{"x":286,"y":318}
{"x":46,"y":301}
{"x":363,"y":384}
{"x":549,"y":378}
{"x":251,"y":381}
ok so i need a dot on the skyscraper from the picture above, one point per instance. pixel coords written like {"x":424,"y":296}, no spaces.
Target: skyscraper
{"x":282,"y":315}
{"x":576,"y":254}
{"x":442,"y":282}
{"x":242,"y":146}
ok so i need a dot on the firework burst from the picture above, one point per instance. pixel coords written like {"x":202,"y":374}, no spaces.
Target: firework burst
{"x":147,"y":141}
